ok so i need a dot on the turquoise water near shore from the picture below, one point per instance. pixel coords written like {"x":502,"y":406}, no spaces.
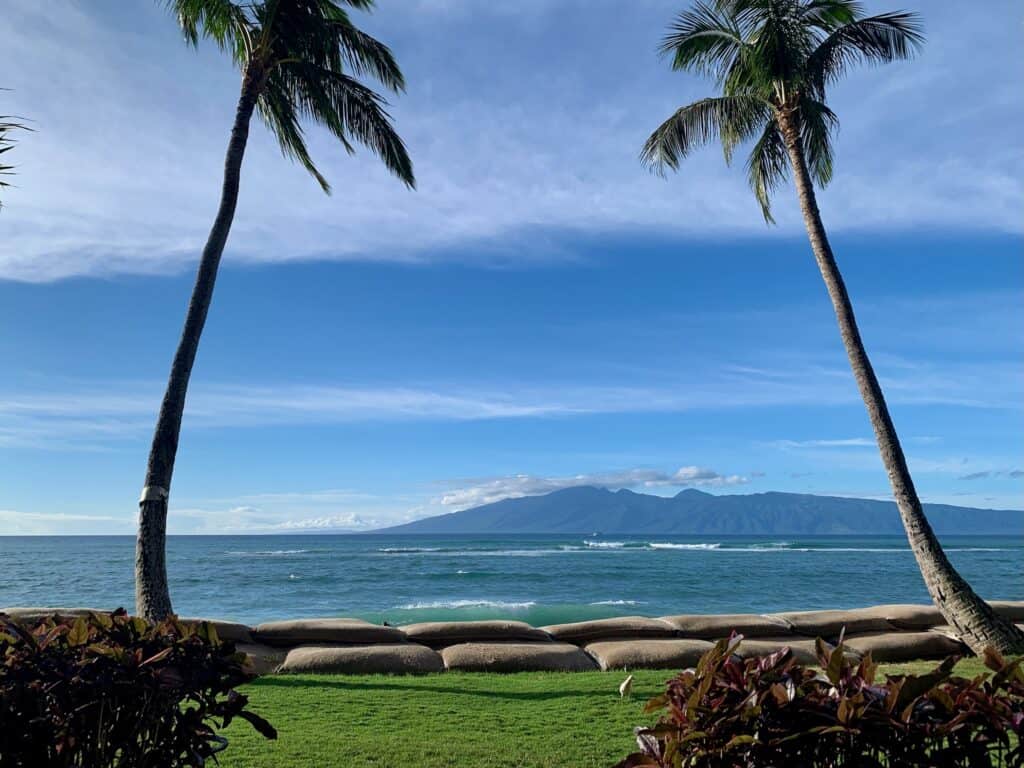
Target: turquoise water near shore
{"x":539,"y":579}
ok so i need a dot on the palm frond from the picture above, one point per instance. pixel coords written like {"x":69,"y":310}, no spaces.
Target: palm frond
{"x":829,"y":14}
{"x":877,"y":39}
{"x":732,"y":119}
{"x":351,"y":111}
{"x":767,"y":167}
{"x":8,"y":123}
{"x":771,"y":58}
{"x":818,"y":124}
{"x":703,"y":40}
{"x":365,"y":55}
{"x":278,"y":113}
{"x":224,"y":22}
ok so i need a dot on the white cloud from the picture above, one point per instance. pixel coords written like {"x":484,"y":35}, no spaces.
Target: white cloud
{"x":848,"y":442}
{"x":487,"y":491}
{"x":349,"y":522}
{"x":123,"y":173}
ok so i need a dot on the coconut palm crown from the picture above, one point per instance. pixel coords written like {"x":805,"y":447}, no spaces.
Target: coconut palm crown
{"x":300,"y":60}
{"x":305,"y":56}
{"x":774,"y":61}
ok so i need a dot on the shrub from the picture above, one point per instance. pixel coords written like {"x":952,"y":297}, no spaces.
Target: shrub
{"x":769,"y":711}
{"x":116,"y":691}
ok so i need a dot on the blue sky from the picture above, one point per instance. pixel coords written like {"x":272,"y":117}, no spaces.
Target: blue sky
{"x":540,"y":313}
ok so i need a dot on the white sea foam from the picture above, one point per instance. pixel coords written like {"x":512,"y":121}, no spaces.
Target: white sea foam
{"x":407,"y":550}
{"x":467,"y":604}
{"x":905,"y":550}
{"x":668,"y":545}
{"x":605,"y":544}
{"x":266,"y":553}
{"x":619,"y":602}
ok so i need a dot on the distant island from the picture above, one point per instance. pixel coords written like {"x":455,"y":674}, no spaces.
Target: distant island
{"x":587,"y":509}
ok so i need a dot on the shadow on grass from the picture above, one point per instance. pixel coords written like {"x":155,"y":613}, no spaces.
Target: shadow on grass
{"x":396,"y":684}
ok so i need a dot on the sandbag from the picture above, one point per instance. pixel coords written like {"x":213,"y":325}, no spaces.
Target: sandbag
{"x":227,"y":630}
{"x":261,"y":659}
{"x":442,"y":633}
{"x":306,"y":631}
{"x":1009,"y":609}
{"x":385,"y":658}
{"x":517,"y":657}
{"x":28,"y":616}
{"x":828,"y":624}
{"x":904,"y":646}
{"x":648,"y":653}
{"x":715,"y":627}
{"x":583,"y":632}
{"x":912,"y":617}
{"x":804,"y":649}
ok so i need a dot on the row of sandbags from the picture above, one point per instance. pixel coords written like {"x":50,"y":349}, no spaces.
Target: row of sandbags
{"x":888,"y":632}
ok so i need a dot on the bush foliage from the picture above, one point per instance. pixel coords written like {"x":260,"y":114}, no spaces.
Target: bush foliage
{"x":116,"y":691}
{"x":730,"y":712}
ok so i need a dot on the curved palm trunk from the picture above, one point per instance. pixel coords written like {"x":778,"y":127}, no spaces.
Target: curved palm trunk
{"x":152,"y":597}
{"x":974,"y":620}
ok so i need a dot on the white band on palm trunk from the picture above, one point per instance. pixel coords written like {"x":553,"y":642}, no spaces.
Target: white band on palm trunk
{"x":153,"y":493}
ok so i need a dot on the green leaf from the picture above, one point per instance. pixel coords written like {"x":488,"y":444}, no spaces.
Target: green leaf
{"x":740,"y":740}
{"x":836,"y":661}
{"x":915,"y":686}
{"x":79,"y":632}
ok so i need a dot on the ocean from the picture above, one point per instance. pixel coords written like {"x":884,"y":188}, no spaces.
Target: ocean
{"x":539,"y":579}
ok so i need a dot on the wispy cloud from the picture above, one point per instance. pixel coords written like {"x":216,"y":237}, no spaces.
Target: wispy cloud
{"x":1013,"y":474}
{"x":848,"y":442}
{"x":489,"y":490}
{"x":97,"y":415}
{"x":16,"y":523}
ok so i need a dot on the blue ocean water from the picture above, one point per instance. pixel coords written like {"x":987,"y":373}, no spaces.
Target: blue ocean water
{"x":539,"y":579}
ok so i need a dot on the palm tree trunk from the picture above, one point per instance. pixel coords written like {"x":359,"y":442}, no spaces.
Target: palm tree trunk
{"x":152,"y":597}
{"x":972,"y":618}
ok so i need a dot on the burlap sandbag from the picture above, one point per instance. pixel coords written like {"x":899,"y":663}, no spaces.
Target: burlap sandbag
{"x":904,"y":646}
{"x":1009,"y":609}
{"x":262,"y":659}
{"x":442,"y":633}
{"x":583,"y":632}
{"x":648,"y":653}
{"x":717,"y":626}
{"x":385,"y":658}
{"x":517,"y":657}
{"x":828,"y":624}
{"x":31,"y":615}
{"x":804,"y":649}
{"x":227,"y":630}
{"x":307,"y":631}
{"x":907,"y":617}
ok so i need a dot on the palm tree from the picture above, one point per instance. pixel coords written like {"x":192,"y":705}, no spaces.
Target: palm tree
{"x":298,"y":59}
{"x":774,"y":61}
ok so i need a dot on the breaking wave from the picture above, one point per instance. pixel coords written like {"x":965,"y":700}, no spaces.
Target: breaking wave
{"x":266,"y":552}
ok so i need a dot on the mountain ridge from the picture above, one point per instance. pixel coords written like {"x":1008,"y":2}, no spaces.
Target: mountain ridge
{"x":582,"y":509}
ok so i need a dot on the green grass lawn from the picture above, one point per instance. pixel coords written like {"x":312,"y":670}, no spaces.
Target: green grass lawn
{"x":571,"y":720}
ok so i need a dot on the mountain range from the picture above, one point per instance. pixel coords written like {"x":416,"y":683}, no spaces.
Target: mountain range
{"x":586,"y":509}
